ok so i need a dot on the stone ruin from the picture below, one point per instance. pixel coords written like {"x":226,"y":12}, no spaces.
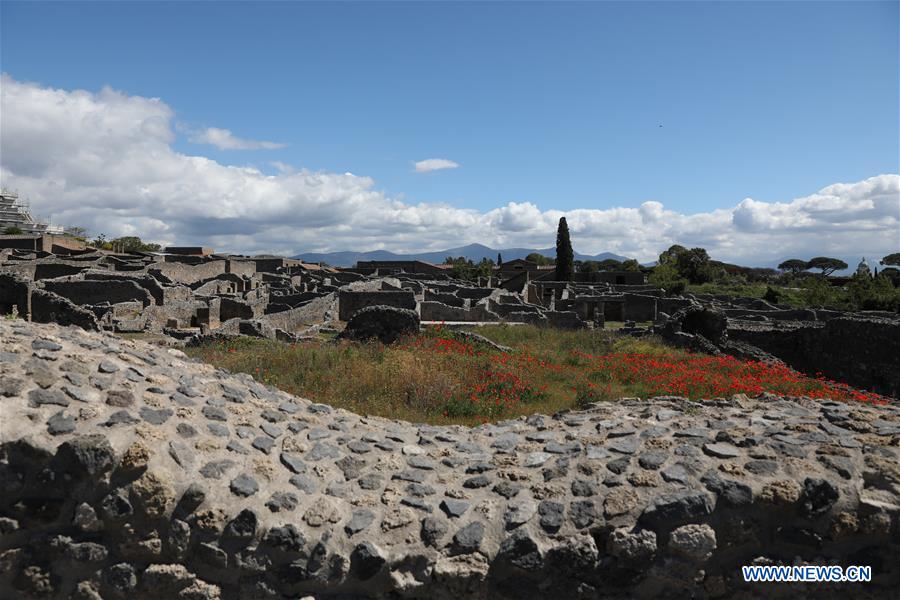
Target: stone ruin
{"x":131,"y":472}
{"x":181,"y":295}
{"x":861,"y":349}
{"x":176,"y":295}
{"x":188,"y":294}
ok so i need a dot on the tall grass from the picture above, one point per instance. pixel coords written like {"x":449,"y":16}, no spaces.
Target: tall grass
{"x":440,"y":377}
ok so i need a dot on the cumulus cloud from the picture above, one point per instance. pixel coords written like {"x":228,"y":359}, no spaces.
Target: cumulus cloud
{"x":283,"y":168}
{"x":434,"y":164}
{"x":105,"y":161}
{"x":223,"y":139}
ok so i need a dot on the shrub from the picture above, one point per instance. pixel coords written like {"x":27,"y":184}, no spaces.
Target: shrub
{"x":772,"y":295}
{"x":666,"y":276}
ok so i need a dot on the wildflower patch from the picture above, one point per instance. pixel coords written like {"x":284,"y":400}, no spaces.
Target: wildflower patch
{"x":439,"y":376}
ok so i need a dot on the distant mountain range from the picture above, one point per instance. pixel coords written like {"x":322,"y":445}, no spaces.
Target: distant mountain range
{"x":473,"y":252}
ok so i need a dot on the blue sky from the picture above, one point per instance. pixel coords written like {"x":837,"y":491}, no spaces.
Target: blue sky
{"x":553,"y":104}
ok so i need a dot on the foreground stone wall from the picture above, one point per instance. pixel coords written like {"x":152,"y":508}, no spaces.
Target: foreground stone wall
{"x":129,"y":471}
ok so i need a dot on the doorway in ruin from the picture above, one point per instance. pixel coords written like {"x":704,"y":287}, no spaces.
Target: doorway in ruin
{"x":614,"y":311}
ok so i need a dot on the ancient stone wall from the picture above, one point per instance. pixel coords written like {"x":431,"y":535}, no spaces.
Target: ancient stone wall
{"x":861,"y":351}
{"x":345,"y":277}
{"x":474,"y":293}
{"x":98,"y":292}
{"x":216,"y":286}
{"x":798,"y":314}
{"x":670,"y":306}
{"x":444,"y":298}
{"x":437,"y":311}
{"x":231,"y":308}
{"x":350,"y":301}
{"x":210,"y":315}
{"x":295,"y":299}
{"x":504,"y":310}
{"x":172,"y":315}
{"x":639,"y":307}
{"x":24,"y":270}
{"x":55,"y":268}
{"x":178,"y":272}
{"x":244,"y":268}
{"x":47,"y":307}
{"x":15,"y":292}
{"x":131,"y":472}
{"x":162,"y":294}
{"x":317,"y":310}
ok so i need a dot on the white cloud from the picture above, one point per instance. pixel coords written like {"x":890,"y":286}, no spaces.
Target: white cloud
{"x":105,"y":161}
{"x":283,"y":168}
{"x":223,"y":139}
{"x":651,"y":211}
{"x":434,"y":164}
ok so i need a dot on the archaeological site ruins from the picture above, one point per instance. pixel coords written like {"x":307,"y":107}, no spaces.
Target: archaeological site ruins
{"x":131,"y":471}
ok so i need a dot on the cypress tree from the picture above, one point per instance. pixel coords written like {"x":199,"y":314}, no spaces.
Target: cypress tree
{"x":499,"y":260}
{"x":565,"y":258}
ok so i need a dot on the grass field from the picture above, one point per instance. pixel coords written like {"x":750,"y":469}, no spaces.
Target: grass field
{"x":796,"y":297}
{"x":439,"y":377}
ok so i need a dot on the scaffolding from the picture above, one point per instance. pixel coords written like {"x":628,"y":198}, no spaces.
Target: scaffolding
{"x":15,"y":213}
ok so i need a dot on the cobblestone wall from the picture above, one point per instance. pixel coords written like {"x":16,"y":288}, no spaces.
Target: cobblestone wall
{"x":129,"y":471}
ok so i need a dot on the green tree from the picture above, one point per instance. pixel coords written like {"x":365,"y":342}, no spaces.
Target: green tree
{"x":891,"y":259}
{"x":818,"y":292}
{"x":465,"y":269}
{"x":539,"y":259}
{"x":694,"y":266}
{"x":867,"y":293}
{"x":461,"y":267}
{"x":101,"y":242}
{"x":565,"y":257}
{"x":772,"y":295}
{"x":12,"y":230}
{"x":485,"y":268}
{"x":499,"y":260}
{"x":610,"y":264}
{"x":794,"y":266}
{"x":587,"y":266}
{"x":761,"y":274}
{"x":631,"y":265}
{"x":892,"y":274}
{"x":827,"y":264}
{"x":666,"y":276}
{"x":670,"y":256}
{"x":132,"y":243}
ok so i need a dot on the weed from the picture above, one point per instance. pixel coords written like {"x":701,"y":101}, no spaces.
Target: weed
{"x":439,"y":376}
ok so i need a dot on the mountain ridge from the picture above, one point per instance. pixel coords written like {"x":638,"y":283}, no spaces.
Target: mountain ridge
{"x":473,"y":252}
